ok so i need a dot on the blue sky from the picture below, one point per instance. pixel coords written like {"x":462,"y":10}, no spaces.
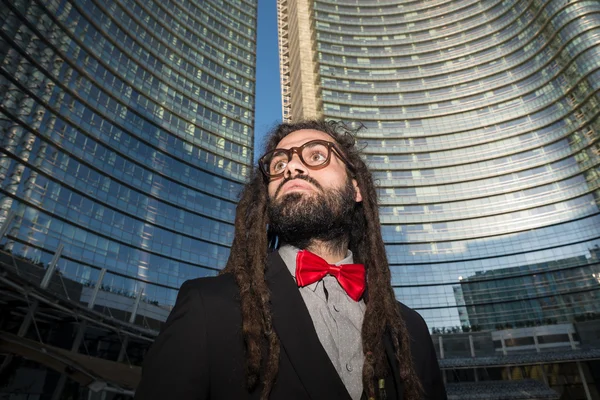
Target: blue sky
{"x":268,"y":93}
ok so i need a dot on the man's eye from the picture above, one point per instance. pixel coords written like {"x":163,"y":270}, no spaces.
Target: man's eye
{"x":278,"y":166}
{"x":317,"y":156}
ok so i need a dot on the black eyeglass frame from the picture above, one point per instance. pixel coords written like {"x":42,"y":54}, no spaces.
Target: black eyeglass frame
{"x":298,"y":150}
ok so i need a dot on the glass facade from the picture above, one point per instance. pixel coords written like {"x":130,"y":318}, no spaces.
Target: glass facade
{"x":483,"y":134}
{"x":126,"y":133}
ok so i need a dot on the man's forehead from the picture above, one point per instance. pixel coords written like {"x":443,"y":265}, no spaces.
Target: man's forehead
{"x":298,"y":138}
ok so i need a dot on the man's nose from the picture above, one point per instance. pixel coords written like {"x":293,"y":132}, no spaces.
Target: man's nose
{"x":295,"y":166}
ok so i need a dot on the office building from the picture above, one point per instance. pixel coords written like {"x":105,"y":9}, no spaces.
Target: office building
{"x":482,"y":129}
{"x":126,"y":133}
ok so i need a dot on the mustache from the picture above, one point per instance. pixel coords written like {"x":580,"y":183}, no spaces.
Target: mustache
{"x":303,"y":177}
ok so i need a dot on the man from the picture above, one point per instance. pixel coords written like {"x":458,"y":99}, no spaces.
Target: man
{"x":316,"y":319}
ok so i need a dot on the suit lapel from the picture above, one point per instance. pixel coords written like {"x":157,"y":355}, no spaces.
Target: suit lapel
{"x":298,"y":337}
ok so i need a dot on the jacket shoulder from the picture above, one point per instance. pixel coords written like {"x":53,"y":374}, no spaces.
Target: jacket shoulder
{"x":217,"y":292}
{"x":224,"y":283}
{"x":414,"y":321}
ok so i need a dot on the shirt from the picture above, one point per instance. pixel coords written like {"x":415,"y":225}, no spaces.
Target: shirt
{"x":337,"y":319}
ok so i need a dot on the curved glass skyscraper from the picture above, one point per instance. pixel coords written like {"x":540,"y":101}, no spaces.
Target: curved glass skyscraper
{"x":483,"y":133}
{"x":126,"y":132}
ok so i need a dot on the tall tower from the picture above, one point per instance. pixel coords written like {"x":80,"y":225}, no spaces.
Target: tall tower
{"x":483,"y":133}
{"x":126,"y":133}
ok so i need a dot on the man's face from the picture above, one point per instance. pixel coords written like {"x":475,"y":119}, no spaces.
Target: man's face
{"x":307,"y":204}
{"x":333,"y":176}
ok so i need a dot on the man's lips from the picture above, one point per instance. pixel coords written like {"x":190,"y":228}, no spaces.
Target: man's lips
{"x":294,"y":185}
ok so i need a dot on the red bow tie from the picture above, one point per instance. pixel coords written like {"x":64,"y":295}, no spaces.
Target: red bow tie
{"x":311,"y":268}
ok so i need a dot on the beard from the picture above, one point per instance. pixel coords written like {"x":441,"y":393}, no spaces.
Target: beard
{"x":300,"y":218}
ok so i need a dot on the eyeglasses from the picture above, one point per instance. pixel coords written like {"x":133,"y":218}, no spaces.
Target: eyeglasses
{"x":315,"y":154}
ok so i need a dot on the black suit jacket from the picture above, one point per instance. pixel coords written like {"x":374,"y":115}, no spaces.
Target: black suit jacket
{"x":199,"y":353}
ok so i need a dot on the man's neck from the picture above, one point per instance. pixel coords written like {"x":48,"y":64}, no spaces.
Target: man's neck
{"x":326,"y":251}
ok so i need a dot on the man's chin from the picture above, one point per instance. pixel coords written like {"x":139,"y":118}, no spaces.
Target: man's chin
{"x":295,"y":195}
{"x":296,"y":203}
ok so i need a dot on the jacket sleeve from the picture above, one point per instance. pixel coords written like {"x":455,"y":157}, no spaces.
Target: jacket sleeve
{"x":176,"y":366}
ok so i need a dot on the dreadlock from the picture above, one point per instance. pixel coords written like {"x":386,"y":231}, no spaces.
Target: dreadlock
{"x":247,"y":263}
